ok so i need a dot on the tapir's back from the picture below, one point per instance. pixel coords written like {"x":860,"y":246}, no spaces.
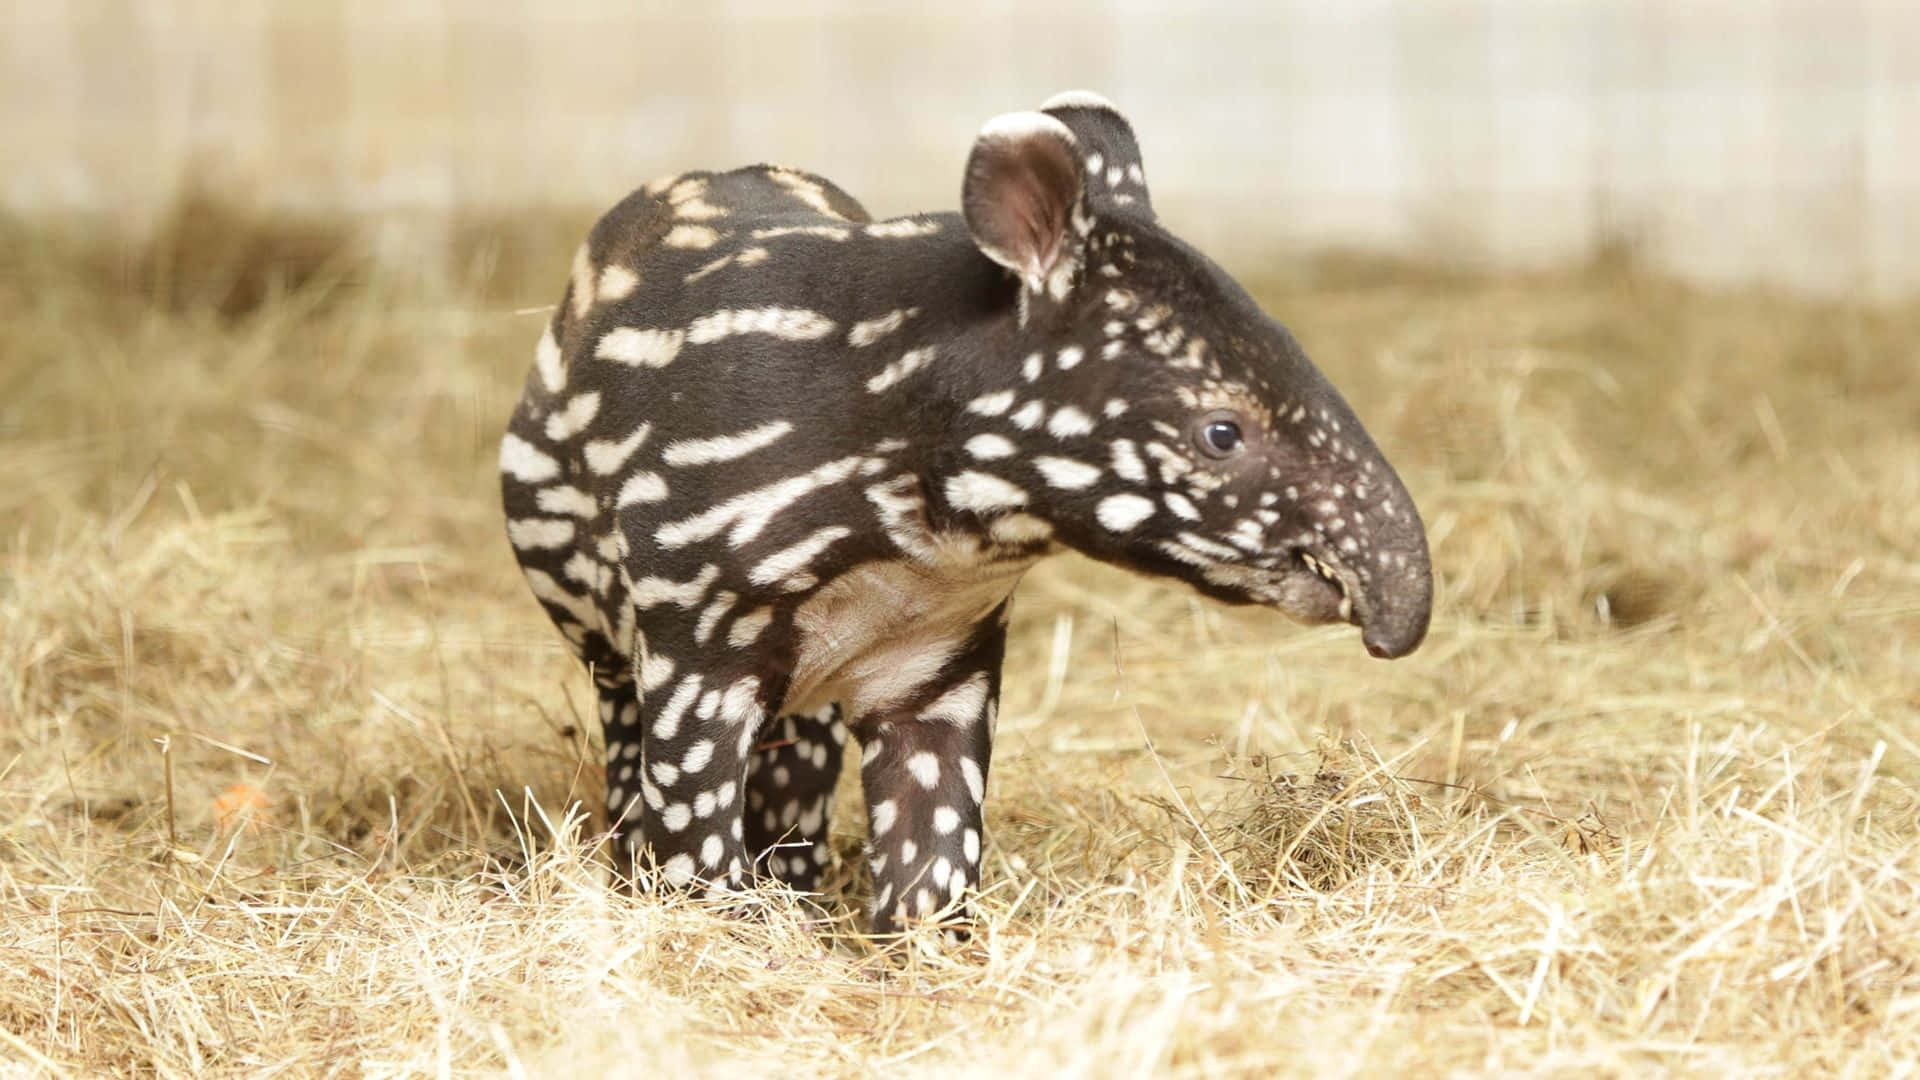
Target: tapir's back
{"x":692,"y":245}
{"x":721,"y":335}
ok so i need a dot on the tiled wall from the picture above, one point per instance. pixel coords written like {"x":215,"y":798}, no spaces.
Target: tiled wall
{"x":1733,"y":139}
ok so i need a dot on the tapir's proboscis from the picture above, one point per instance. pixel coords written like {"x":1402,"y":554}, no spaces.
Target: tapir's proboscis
{"x":779,"y":467}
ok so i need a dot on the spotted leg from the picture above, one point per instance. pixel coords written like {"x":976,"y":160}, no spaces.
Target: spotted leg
{"x":694,"y":751}
{"x":925,"y":776}
{"x":790,"y":781}
{"x":620,"y":724}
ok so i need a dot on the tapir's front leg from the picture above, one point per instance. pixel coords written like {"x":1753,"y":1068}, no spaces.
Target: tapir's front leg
{"x":924,"y":772}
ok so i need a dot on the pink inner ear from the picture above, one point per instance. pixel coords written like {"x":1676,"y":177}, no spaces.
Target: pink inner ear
{"x":1019,"y":193}
{"x":1045,"y":221}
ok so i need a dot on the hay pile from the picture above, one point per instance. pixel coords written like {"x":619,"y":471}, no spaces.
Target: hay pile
{"x":275,"y":711}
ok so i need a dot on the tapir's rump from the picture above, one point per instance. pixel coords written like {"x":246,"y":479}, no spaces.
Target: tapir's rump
{"x":779,"y":467}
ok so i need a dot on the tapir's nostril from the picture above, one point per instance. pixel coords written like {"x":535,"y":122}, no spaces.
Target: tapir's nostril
{"x":1392,"y":642}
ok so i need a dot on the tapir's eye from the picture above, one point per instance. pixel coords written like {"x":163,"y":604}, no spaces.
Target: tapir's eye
{"x":1223,"y":436}
{"x":1219,"y":434}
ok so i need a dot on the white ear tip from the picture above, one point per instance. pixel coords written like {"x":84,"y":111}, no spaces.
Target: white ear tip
{"x":1026,"y":125}
{"x":1077,"y":99}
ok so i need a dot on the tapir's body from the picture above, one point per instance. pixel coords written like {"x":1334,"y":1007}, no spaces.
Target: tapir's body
{"x":779,"y":467}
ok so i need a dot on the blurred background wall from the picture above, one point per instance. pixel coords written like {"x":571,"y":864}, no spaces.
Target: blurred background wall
{"x":1777,"y":141}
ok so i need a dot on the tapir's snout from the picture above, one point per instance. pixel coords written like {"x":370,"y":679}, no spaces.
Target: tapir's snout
{"x":1397,"y":595}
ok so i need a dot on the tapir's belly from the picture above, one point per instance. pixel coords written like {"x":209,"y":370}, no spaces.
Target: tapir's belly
{"x":880,"y":632}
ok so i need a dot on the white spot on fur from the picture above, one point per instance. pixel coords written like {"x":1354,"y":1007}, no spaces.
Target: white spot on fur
{"x":640,"y":347}
{"x":679,"y":869}
{"x":746,"y":628}
{"x":1068,"y":422}
{"x":884,"y":813}
{"x":690,"y":237}
{"x":749,"y":513}
{"x":911,"y":361}
{"x":1067,"y":473}
{"x":697,"y":757}
{"x":684,"y":452}
{"x":790,"y":560}
{"x":1029,"y":415}
{"x":547,"y":360}
{"x":1126,"y":462}
{"x":1180,"y":505}
{"x":650,"y":592}
{"x":521,"y":460}
{"x":740,"y":705}
{"x":983,"y":493}
{"x":902,"y":228}
{"x":787,"y":324}
{"x":566,"y":499}
{"x":582,"y":281}
{"x":805,"y":188}
{"x":713,"y":613}
{"x":828,"y":232}
{"x":868,"y":331}
{"x":550,"y":591}
{"x":596,"y":576}
{"x":925,"y":768}
{"x":564,"y":423}
{"x":529,"y":533}
{"x":991,"y":404}
{"x":720,"y":263}
{"x":617,"y":282}
{"x":605,"y":456}
{"x":976,"y":783}
{"x":1120,"y":513}
{"x":990,"y":447}
{"x":642,"y":487}
{"x":655,"y":670}
{"x":945,"y":820}
{"x":676,"y":817}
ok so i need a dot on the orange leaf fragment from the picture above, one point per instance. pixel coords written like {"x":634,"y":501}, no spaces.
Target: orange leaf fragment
{"x":241,"y":805}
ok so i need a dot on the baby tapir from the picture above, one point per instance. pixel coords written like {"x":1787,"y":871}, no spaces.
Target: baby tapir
{"x":779,"y":467}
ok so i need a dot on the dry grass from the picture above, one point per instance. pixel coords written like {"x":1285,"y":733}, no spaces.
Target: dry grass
{"x":275,"y":710}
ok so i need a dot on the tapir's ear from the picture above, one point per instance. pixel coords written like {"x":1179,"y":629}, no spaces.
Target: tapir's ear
{"x":1114,"y":178}
{"x":1024,"y":181}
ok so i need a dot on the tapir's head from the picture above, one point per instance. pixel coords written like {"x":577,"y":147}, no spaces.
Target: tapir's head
{"x":1177,"y":427}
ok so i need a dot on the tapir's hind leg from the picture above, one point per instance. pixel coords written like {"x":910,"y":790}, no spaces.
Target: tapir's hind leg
{"x":620,"y":722}
{"x":790,"y":782}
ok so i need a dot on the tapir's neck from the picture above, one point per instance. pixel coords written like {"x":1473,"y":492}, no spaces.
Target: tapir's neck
{"x":967,"y":307}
